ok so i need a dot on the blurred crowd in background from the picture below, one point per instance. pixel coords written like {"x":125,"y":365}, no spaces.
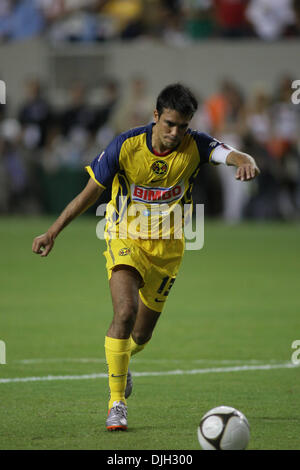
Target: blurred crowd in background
{"x":265,"y":124}
{"x":173,"y":21}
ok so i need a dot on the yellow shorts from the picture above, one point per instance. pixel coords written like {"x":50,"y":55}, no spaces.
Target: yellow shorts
{"x":157,"y":261}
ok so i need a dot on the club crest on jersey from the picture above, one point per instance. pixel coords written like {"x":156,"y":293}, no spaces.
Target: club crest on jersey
{"x":124,"y":251}
{"x":160,"y":167}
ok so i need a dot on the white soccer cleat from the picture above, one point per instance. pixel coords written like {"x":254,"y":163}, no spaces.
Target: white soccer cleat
{"x":117,"y":417}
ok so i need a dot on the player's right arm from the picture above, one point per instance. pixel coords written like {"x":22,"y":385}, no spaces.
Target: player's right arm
{"x":43,"y":244}
{"x":102,"y":171}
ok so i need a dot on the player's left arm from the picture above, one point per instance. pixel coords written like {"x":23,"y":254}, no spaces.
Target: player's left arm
{"x":213,"y":151}
{"x":246,"y":166}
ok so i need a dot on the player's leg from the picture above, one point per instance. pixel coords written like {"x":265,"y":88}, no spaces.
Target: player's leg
{"x":142,"y":332}
{"x":145,"y":323}
{"x":124,"y":285}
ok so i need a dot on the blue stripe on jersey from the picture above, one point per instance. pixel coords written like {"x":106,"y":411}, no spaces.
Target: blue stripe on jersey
{"x":149,"y":136}
{"x":123,"y":193}
{"x":205,"y":144}
{"x":106,"y":165}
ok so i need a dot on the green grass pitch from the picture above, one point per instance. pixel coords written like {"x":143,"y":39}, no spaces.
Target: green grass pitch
{"x":235,"y":303}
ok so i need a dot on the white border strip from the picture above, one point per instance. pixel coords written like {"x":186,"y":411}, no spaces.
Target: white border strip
{"x":211,"y":370}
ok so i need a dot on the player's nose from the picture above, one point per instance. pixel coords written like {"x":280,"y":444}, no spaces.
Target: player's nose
{"x":174,"y":131}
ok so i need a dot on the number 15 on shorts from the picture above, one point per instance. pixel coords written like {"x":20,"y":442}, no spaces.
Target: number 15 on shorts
{"x":165,"y":287}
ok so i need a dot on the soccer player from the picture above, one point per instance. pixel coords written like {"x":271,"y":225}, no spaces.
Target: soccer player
{"x":153,"y":166}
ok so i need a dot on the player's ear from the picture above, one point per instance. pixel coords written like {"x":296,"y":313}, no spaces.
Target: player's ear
{"x":156,"y":116}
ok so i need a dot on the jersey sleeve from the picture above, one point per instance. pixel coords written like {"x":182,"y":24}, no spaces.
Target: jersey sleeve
{"x":104,"y":167}
{"x":210,"y":150}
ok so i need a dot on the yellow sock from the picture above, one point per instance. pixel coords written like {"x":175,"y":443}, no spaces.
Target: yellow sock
{"x":135,"y":348}
{"x":117,"y":353}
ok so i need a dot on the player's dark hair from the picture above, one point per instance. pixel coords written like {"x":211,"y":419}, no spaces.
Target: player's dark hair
{"x":177,"y":97}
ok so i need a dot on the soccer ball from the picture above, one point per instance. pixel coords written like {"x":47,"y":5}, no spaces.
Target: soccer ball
{"x":223,"y":428}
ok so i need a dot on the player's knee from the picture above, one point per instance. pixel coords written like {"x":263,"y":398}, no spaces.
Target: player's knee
{"x":141,"y":337}
{"x":126,"y":313}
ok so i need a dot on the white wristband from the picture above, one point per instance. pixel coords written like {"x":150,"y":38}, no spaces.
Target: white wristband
{"x":220,"y":153}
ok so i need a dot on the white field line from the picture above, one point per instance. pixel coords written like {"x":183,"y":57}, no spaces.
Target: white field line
{"x":87,"y":360}
{"x":211,"y":370}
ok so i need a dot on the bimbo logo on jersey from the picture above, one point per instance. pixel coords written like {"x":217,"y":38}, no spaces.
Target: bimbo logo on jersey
{"x":156,"y":195}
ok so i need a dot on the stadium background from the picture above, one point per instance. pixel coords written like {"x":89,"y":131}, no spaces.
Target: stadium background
{"x":78,"y":72}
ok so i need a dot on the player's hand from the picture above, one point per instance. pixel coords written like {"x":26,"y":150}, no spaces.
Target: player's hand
{"x":247,"y":172}
{"x":43,"y":244}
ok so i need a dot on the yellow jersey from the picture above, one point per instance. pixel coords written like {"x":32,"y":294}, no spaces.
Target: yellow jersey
{"x":148,"y":188}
